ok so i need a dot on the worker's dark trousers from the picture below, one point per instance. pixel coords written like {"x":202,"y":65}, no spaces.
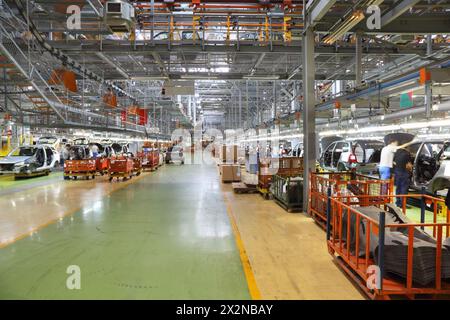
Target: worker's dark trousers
{"x":401,"y":181}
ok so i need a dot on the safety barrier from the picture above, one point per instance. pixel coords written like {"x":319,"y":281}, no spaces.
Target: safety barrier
{"x":325,"y":184}
{"x":385,"y":252}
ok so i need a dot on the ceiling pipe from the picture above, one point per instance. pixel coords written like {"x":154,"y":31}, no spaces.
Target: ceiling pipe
{"x":444,"y":106}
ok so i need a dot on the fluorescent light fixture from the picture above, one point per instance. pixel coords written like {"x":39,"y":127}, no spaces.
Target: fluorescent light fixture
{"x":404,"y":126}
{"x":192,"y":77}
{"x":345,"y":26}
{"x":276,"y":77}
{"x":143,"y":78}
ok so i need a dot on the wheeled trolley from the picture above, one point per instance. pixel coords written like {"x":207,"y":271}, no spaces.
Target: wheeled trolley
{"x":80,"y":168}
{"x":121,"y":168}
{"x":102,"y":165}
{"x":323,"y":184}
{"x":386,"y":252}
{"x":137,"y":166}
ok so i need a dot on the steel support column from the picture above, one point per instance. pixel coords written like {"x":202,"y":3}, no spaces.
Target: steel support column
{"x":309,"y":116}
{"x":428,"y":87}
{"x":358,"y":62}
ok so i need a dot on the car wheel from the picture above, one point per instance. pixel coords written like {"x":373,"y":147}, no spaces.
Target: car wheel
{"x":56,"y":164}
{"x":341,"y":167}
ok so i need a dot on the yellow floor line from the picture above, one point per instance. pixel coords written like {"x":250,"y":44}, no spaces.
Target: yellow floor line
{"x":250,"y":277}
{"x":69,"y":213}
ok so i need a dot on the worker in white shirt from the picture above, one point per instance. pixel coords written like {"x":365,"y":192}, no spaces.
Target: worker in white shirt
{"x":94,"y":150}
{"x":387,"y":158}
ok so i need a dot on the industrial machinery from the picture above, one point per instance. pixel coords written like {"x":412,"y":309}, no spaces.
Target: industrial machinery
{"x":119,"y":15}
{"x":5,"y":145}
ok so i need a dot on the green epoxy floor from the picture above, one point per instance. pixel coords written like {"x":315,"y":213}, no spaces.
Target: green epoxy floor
{"x":8,"y":184}
{"x":166,"y":236}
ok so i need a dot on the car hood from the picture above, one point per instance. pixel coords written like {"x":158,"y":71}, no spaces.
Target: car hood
{"x":401,"y":137}
{"x":13,"y":160}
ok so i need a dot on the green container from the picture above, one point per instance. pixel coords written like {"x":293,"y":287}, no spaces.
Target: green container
{"x":288,"y":192}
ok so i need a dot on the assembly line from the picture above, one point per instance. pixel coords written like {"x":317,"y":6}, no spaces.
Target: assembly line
{"x":207,"y":151}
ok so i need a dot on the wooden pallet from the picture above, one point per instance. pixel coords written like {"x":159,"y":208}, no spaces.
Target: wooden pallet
{"x":231,"y":181}
{"x":241,"y":188}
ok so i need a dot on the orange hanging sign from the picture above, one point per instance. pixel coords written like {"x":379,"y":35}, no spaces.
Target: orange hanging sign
{"x":64,"y":77}
{"x":110,"y":99}
{"x":424,"y":76}
{"x":337,"y":104}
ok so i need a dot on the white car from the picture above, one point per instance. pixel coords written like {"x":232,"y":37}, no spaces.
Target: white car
{"x":29,"y":161}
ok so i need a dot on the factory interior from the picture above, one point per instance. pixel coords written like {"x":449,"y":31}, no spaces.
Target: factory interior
{"x":224,"y":150}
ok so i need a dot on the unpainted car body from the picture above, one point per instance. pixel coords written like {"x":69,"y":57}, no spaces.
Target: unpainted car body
{"x":296,"y":151}
{"x":120,"y":148}
{"x":431,"y":165}
{"x":175,"y":154}
{"x":360,"y":155}
{"x":27,"y":161}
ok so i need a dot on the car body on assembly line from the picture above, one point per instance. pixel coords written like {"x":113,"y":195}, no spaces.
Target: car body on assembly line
{"x":360,"y":155}
{"x":175,"y":154}
{"x":29,"y":161}
{"x":431,"y":165}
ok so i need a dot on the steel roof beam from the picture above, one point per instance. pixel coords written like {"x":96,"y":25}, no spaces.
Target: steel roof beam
{"x":142,"y":47}
{"x":317,"y":10}
{"x":112,"y":64}
{"x":426,"y":24}
{"x":397,"y":11}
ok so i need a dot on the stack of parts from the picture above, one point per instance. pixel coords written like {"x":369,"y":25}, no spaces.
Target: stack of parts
{"x":396,"y":246}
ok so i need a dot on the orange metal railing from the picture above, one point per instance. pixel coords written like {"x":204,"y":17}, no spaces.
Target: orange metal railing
{"x":353,"y":251}
{"x":325,"y":184}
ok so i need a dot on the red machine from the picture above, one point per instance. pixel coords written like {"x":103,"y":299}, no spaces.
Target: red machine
{"x":121,"y":167}
{"x":80,"y":168}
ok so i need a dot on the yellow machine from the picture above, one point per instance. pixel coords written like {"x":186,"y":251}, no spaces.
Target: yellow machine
{"x":5,"y":147}
{"x":7,"y":143}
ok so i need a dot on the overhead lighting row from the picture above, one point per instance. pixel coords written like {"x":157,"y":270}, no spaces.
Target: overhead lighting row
{"x":395,"y":127}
